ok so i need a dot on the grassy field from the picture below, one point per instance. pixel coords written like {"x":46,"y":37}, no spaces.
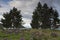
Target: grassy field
{"x":33,"y":34}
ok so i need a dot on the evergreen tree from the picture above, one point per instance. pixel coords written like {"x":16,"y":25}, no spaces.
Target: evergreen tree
{"x":46,"y":17}
{"x":35,"y":21}
{"x":39,"y":12}
{"x":12,"y":19}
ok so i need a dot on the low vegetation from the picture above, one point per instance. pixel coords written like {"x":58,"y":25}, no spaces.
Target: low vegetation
{"x":32,"y":34}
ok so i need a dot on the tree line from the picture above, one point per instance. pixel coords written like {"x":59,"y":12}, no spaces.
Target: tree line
{"x":43,"y":17}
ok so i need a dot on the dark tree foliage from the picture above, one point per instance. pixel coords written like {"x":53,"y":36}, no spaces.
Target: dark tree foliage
{"x":44,"y":17}
{"x":12,"y":19}
{"x":35,"y":23}
{"x":56,"y":19}
{"x":35,"y":20}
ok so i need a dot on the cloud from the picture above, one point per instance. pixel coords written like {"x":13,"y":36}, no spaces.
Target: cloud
{"x":4,"y":7}
{"x":1,"y":16}
{"x":26,"y":20}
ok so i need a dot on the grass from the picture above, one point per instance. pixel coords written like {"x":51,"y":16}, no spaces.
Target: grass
{"x":27,"y":34}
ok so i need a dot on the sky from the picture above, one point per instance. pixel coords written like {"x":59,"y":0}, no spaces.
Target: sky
{"x":27,"y":7}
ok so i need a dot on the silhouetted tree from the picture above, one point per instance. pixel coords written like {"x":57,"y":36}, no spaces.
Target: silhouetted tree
{"x":46,"y":17}
{"x":12,"y":19}
{"x":35,"y":18}
{"x":35,"y":23}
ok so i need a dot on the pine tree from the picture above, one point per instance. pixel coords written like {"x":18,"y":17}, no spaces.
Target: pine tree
{"x":35,"y":18}
{"x":12,"y":19}
{"x":39,"y":11}
{"x":45,"y":17}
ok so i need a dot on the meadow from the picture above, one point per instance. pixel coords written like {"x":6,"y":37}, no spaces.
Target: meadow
{"x":31,"y":34}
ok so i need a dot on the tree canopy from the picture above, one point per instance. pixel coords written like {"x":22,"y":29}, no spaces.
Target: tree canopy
{"x":12,"y":19}
{"x":44,"y":17}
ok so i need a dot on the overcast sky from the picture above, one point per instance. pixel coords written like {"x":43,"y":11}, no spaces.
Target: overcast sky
{"x":26,"y":7}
